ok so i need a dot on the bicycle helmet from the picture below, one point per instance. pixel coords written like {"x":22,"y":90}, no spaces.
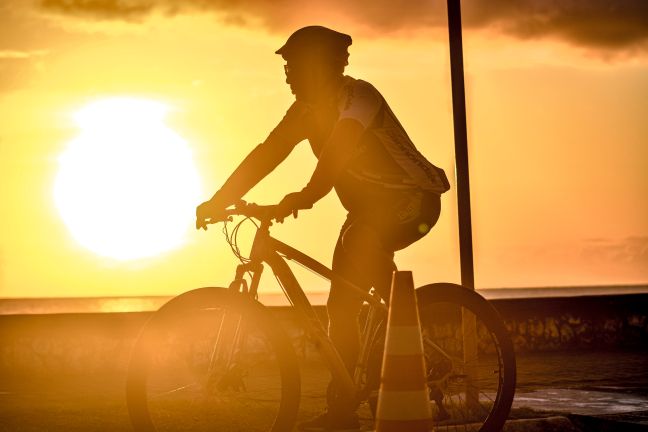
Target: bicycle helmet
{"x":317,"y":40}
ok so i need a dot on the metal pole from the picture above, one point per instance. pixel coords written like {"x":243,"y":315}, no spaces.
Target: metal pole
{"x":461,"y":144}
{"x":469,"y":324}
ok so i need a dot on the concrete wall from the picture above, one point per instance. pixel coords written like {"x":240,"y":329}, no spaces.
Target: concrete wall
{"x":593,"y":322}
{"x":91,"y":343}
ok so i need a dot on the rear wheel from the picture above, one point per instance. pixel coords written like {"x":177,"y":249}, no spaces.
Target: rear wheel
{"x":469,"y":359}
{"x":211,"y":359}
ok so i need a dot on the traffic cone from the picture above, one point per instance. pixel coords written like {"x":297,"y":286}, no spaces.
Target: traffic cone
{"x":403,"y":400}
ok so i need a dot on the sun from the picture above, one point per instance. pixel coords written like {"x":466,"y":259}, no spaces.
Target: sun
{"x":127,"y":186}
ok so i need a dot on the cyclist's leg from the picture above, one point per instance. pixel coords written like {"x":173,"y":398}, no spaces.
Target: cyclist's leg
{"x":365,"y":258}
{"x":408,"y":219}
{"x":377,"y":234}
{"x":343,"y":308}
{"x":364,"y":255}
{"x":343,"y":305}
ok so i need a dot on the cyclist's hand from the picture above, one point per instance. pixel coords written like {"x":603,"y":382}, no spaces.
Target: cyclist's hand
{"x":205,"y":211}
{"x":291,"y":204}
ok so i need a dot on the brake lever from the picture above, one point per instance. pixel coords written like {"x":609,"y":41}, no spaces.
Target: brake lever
{"x":205,"y":223}
{"x":201,"y":224}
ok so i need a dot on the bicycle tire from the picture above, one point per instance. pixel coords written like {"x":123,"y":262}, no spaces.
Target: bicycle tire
{"x":169,"y":337}
{"x":440,"y":307}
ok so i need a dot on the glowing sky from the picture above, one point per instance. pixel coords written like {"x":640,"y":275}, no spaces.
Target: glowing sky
{"x":557,"y":96}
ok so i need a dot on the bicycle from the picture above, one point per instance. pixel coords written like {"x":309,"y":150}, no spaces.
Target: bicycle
{"x":215,"y":358}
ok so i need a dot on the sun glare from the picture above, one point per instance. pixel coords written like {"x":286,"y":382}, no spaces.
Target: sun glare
{"x":127,"y":186}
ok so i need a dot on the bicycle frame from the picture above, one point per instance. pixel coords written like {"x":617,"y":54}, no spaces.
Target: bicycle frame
{"x":267,"y":249}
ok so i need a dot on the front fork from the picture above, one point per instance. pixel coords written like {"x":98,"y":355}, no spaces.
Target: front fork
{"x":240,"y":285}
{"x":370,"y":334}
{"x":226,"y":368}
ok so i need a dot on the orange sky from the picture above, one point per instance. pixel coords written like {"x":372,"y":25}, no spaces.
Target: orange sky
{"x":557,"y":102}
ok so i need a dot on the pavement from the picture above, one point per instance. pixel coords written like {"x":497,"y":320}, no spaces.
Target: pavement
{"x":583,"y":391}
{"x":583,"y":410}
{"x":561,"y":392}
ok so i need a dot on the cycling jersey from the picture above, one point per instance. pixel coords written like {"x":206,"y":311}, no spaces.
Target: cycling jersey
{"x":384,"y":159}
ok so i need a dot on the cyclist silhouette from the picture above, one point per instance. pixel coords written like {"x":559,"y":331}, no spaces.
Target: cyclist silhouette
{"x":390,"y":190}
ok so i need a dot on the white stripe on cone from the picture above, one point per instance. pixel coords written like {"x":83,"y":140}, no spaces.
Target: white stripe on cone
{"x":404,"y":340}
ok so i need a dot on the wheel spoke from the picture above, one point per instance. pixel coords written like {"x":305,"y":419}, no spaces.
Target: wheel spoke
{"x":175,"y":390}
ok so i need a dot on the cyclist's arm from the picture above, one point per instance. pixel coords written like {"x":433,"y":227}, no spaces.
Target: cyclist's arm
{"x":257,"y":164}
{"x":359,"y":110}
{"x":263,"y":159}
{"x":337,"y":153}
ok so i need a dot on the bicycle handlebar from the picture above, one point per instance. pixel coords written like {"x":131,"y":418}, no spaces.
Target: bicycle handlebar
{"x":263,"y":213}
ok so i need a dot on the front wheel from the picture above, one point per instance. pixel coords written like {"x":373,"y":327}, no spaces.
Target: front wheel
{"x":212,"y":359}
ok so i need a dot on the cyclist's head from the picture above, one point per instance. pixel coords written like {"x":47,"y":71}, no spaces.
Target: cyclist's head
{"x":314,"y":55}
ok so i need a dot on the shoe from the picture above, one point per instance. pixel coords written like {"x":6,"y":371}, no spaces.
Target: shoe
{"x":327,"y":422}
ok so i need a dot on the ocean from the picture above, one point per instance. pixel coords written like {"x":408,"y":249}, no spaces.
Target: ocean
{"x":55,"y":305}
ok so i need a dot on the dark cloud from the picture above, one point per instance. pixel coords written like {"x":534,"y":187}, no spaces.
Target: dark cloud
{"x":102,"y":9}
{"x":602,"y":24}
{"x":595,"y":23}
